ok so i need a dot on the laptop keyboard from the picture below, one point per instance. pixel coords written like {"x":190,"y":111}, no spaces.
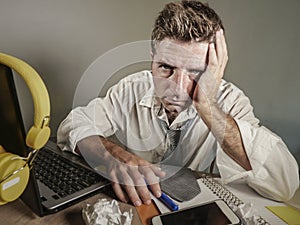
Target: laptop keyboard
{"x":61,"y":175}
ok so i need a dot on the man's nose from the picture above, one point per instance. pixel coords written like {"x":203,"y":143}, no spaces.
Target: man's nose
{"x":179,"y":79}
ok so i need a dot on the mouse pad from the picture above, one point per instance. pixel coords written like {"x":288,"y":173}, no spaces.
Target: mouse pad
{"x":182,"y":186}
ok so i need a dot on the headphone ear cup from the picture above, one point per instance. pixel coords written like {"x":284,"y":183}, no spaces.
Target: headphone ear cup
{"x":37,"y":137}
{"x":13,"y":186}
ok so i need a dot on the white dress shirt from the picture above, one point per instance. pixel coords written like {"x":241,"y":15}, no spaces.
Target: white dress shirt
{"x":131,"y":115}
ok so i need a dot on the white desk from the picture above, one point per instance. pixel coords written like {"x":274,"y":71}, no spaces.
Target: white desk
{"x":240,"y":190}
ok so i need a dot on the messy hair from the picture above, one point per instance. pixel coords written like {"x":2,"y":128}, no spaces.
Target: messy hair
{"x":186,"y":21}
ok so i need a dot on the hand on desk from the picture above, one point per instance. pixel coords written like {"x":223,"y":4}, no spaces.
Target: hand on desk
{"x":127,"y":172}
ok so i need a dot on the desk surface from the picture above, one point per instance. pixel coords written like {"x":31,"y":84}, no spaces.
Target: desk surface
{"x":17,"y":213}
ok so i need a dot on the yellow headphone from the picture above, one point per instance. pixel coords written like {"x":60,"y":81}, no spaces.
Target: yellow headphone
{"x":14,"y":170}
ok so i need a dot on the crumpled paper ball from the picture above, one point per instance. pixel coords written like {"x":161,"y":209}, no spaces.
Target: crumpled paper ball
{"x":247,"y":213}
{"x":104,"y":212}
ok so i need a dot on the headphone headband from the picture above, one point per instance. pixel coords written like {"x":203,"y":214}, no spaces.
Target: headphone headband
{"x":39,"y":133}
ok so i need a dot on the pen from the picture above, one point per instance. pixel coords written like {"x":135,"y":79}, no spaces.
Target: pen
{"x":168,"y":202}
{"x":164,"y":198}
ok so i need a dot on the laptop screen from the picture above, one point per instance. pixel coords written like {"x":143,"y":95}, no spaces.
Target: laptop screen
{"x":12,"y":132}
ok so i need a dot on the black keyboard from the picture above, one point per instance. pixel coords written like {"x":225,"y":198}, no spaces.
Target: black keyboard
{"x":61,"y":175}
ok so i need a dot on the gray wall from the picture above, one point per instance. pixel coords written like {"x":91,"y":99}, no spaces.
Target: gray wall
{"x":61,"y":38}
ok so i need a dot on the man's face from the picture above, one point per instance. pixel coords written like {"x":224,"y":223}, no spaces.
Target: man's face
{"x":176,"y":68}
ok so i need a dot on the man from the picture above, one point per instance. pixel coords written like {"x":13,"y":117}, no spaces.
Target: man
{"x":131,"y":130}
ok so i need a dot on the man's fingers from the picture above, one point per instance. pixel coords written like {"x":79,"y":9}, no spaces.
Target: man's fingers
{"x":129,"y":181}
{"x":150,"y":175}
{"x":139,"y":191}
{"x":223,"y":44}
{"x":133,"y":195}
{"x":144,"y":194}
{"x":157,"y":171}
{"x":155,"y":189}
{"x":143,"y":176}
{"x":115,"y":183}
{"x":141,"y":188}
{"x":137,"y":177}
{"x":136,"y":187}
{"x":222,"y":54}
{"x":212,"y":58}
{"x":119,"y":192}
{"x":219,"y":46}
{"x":124,"y":177}
{"x":225,"y":52}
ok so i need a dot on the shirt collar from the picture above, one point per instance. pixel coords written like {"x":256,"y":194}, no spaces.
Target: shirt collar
{"x":149,"y":100}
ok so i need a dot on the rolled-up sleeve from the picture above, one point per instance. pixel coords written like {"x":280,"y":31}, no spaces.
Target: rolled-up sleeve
{"x":275,"y":172}
{"x":105,"y":116}
{"x":82,"y":122}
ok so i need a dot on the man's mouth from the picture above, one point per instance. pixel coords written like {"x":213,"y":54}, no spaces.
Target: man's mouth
{"x":177,"y":102}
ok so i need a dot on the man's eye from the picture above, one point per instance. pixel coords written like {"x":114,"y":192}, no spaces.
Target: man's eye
{"x":166,"y":69}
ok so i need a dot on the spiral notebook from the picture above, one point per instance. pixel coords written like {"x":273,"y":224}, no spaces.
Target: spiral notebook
{"x":250,"y":206}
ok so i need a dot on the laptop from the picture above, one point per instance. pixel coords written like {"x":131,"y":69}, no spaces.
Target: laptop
{"x":57,"y":179}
